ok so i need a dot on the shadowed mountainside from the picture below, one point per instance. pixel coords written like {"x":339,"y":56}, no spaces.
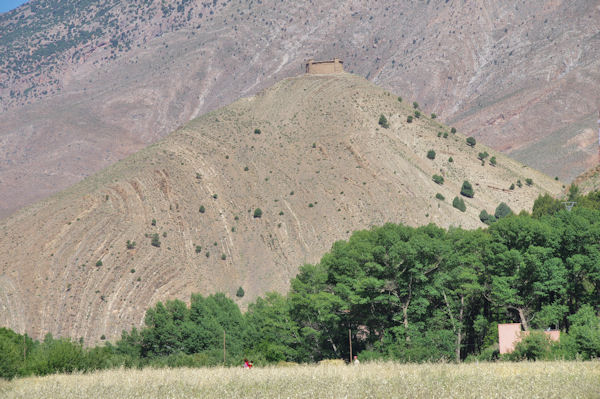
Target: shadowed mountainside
{"x":319,"y":167}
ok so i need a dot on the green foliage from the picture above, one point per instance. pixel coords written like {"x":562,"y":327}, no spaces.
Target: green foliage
{"x":409,"y":119}
{"x":223,"y":257}
{"x":471,"y":141}
{"x":240,"y":292}
{"x":536,"y":345}
{"x":399,"y":99}
{"x":433,"y":116}
{"x":431,"y":154}
{"x":486,"y":217}
{"x":438,"y":179}
{"x":482,"y":156}
{"x":459,"y":204}
{"x":453,"y":130}
{"x":585,"y":330}
{"x":502,"y":211}
{"x":258,"y":213}
{"x":417,"y":114}
{"x":440,"y":196}
{"x":130,"y":244}
{"x":153,"y":222}
{"x":493,"y":161}
{"x":198,"y":249}
{"x":383,"y":122}
{"x":467,"y":189}
{"x":155,"y":240}
{"x":512,"y":187}
{"x":519,"y":184}
{"x":450,"y":159}
{"x":202,"y":209}
{"x":99,"y":262}
{"x":415,"y":105}
{"x":257,"y":131}
{"x":529,"y":181}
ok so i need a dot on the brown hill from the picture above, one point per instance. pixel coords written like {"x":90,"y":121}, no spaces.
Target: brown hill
{"x":319,"y":168}
{"x":85,"y":83}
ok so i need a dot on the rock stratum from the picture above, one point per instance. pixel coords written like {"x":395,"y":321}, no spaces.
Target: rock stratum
{"x":86,"y":83}
{"x":319,"y":167}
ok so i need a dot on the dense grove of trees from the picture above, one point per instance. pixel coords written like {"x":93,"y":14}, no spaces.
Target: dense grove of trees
{"x":404,"y":293}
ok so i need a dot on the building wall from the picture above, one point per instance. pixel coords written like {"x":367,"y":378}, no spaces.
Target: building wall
{"x":509,"y":335}
{"x":324,"y":67}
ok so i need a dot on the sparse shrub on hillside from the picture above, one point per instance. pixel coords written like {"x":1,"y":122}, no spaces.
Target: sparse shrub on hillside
{"x":202,"y":209}
{"x":245,"y":168}
{"x":453,"y":130}
{"x":415,"y":105}
{"x":257,"y":213}
{"x":153,"y":222}
{"x":519,"y":184}
{"x":529,"y":181}
{"x":502,"y":211}
{"x":240,"y":292}
{"x":471,"y":141}
{"x":486,"y":217}
{"x":431,"y":154}
{"x":467,"y":189}
{"x":280,"y":213}
{"x":399,"y":99}
{"x":99,"y":263}
{"x":257,"y":131}
{"x":493,"y":161}
{"x":445,"y":135}
{"x":207,"y":254}
{"x":155,"y":240}
{"x":215,"y":196}
{"x":438,"y":179}
{"x":409,"y":119}
{"x":440,"y":197}
{"x":314,"y":145}
{"x":512,"y":186}
{"x":459,"y":204}
{"x":164,"y":234}
{"x":433,"y":116}
{"x":223,"y":256}
{"x":198,"y":249}
{"x":439,"y":134}
{"x":450,"y":159}
{"x":482,"y":156}
{"x":417,"y":114}
{"x":310,"y":205}
{"x":383,"y":122}
{"x":130,"y":244}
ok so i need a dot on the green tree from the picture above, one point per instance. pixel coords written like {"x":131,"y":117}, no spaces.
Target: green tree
{"x":502,"y":211}
{"x":459,"y":204}
{"x":257,"y":213}
{"x":438,"y":179}
{"x":471,"y":141}
{"x":431,"y":154}
{"x":240,"y":292}
{"x":467,"y":189}
{"x":383,"y":122}
{"x":486,"y":217}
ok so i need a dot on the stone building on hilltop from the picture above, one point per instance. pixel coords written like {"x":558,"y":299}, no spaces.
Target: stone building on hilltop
{"x":322,"y":67}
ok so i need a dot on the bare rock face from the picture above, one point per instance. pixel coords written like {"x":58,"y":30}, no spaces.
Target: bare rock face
{"x":180,"y":216}
{"x":83,"y":84}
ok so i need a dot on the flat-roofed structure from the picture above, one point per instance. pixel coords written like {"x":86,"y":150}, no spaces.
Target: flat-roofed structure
{"x":509,"y":335}
{"x":323,"y":67}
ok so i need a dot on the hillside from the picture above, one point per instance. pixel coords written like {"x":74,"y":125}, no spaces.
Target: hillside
{"x":85,"y":83}
{"x":320,"y":167}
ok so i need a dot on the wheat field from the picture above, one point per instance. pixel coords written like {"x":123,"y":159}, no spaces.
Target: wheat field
{"x":374,"y":380}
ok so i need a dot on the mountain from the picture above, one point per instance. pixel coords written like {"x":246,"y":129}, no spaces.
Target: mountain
{"x":309,"y":152}
{"x":85,"y":83}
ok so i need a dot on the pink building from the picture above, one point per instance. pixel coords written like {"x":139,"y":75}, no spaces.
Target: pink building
{"x":510,"y":334}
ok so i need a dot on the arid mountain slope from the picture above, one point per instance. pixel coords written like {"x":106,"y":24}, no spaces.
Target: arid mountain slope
{"x":84,"y":83}
{"x":320,"y":167}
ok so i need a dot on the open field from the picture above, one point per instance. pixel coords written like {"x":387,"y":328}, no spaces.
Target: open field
{"x":374,"y":380}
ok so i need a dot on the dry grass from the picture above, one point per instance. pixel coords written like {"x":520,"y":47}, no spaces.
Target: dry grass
{"x":380,"y":380}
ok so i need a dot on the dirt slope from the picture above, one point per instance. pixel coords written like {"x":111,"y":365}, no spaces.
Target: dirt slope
{"x":85,"y":83}
{"x":320,"y":168}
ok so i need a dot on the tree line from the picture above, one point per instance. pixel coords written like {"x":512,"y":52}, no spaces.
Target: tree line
{"x":402,"y":293}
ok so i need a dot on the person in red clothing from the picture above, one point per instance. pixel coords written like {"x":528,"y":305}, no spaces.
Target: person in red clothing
{"x":247,"y":364}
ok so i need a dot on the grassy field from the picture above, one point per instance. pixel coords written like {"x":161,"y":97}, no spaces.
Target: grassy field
{"x":375,"y":380}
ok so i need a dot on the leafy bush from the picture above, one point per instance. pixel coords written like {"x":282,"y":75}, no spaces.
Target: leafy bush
{"x":155,"y":240}
{"x":431,"y":154}
{"x":519,"y":184}
{"x":399,"y":99}
{"x":467,"y":189}
{"x":409,"y":119}
{"x":486,"y":217}
{"x":493,"y":161}
{"x":202,"y":209}
{"x":471,"y":141}
{"x":445,"y":135}
{"x":383,"y":122}
{"x":438,"y":179}
{"x":512,"y":187}
{"x":482,"y":156}
{"x":529,"y":181}
{"x":536,"y":345}
{"x":453,"y":130}
{"x":440,"y":197}
{"x":153,"y":222}
{"x":502,"y":211}
{"x":433,"y":116}
{"x":417,"y":114}
{"x":459,"y":204}
{"x":130,"y":244}
{"x":415,"y":105}
{"x":198,"y":249}
{"x":223,"y":256}
{"x":240,"y":292}
{"x":258,"y":213}
{"x":99,"y":263}
{"x":257,"y":131}
{"x":450,"y":159}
